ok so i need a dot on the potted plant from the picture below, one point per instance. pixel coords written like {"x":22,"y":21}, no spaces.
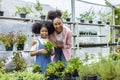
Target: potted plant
{"x":2,"y":62}
{"x":20,"y":40}
{"x":19,"y":61}
{"x":66,"y":15}
{"x":49,"y":47}
{"x":1,"y":12}
{"x":37,"y":68}
{"x":23,"y":11}
{"x":50,"y":72}
{"x":38,"y":8}
{"x":8,"y":40}
{"x":82,"y":17}
{"x":90,"y":15}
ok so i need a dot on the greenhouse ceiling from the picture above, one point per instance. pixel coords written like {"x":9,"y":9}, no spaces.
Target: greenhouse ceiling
{"x":113,"y":3}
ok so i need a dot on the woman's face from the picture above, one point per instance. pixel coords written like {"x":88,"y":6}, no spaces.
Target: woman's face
{"x":58,"y":25}
{"x":44,"y":32}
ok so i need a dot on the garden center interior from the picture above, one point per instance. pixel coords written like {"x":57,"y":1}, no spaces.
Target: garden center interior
{"x":95,"y":26}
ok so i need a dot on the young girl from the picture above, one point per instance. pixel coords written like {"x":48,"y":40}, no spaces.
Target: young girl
{"x":38,"y":48}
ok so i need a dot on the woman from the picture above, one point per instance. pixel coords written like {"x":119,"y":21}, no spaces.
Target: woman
{"x":62,"y":37}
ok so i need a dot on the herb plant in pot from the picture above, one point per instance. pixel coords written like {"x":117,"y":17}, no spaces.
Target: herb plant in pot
{"x":20,"y":40}
{"x":49,"y":46}
{"x":8,"y":40}
{"x":90,"y":15}
{"x":19,"y":61}
{"x":23,"y":11}
{"x":37,"y":68}
{"x":82,"y":17}
{"x":38,"y":8}
{"x":50,"y":72}
{"x":66,"y":15}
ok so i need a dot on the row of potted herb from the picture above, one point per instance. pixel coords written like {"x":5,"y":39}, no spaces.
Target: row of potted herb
{"x":13,"y":38}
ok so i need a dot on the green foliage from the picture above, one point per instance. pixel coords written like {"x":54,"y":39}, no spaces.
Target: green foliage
{"x":117,"y":16}
{"x":37,"y":68}
{"x":25,"y":9}
{"x":59,"y":64}
{"x":65,"y":15}
{"x":7,"y":39}
{"x":105,"y":16}
{"x":81,"y":16}
{"x":68,"y":70}
{"x":2,"y":62}
{"x":90,"y":15}
{"x":50,"y":69}
{"x":21,"y":75}
{"x":75,"y":62}
{"x":119,"y":40}
{"x":38,"y":6}
{"x":20,"y":38}
{"x":49,"y":45}
{"x":18,"y":60}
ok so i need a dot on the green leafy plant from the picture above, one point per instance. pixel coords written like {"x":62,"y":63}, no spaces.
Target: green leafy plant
{"x":7,"y":39}
{"x":38,"y":7}
{"x":49,"y":46}
{"x":117,"y":15}
{"x":81,"y":16}
{"x":105,"y":16}
{"x":2,"y":62}
{"x":50,"y":70}
{"x":90,"y":15}
{"x":25,"y":9}
{"x":20,"y":38}
{"x":65,"y":15}
{"x":37,"y":68}
{"x":19,"y":61}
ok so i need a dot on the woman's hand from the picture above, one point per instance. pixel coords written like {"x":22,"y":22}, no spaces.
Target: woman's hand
{"x":60,"y":46}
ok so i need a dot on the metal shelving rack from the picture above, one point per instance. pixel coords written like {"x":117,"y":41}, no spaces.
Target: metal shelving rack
{"x":73,"y":27}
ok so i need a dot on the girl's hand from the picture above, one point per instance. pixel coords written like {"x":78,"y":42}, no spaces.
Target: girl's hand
{"x":43,"y":51}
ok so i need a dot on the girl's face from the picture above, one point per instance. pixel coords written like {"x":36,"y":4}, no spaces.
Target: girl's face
{"x":58,"y":25}
{"x":44,"y":32}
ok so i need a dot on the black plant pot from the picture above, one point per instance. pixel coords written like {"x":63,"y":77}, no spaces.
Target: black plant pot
{"x":68,"y":77}
{"x":99,"y":22}
{"x":75,"y":73}
{"x":90,"y":78}
{"x":50,"y":77}
{"x":42,"y":17}
{"x":90,"y":21}
{"x":22,"y":15}
{"x":9,"y":48}
{"x":68,"y":19}
{"x":20,"y":78}
{"x":82,"y":21}
{"x":20,"y":47}
{"x":1,"y":13}
{"x":34,"y":71}
{"x":61,"y":69}
{"x":107,"y":23}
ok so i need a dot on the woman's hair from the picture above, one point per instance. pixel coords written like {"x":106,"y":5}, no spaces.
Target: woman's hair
{"x":36,"y":27}
{"x":54,"y":14}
